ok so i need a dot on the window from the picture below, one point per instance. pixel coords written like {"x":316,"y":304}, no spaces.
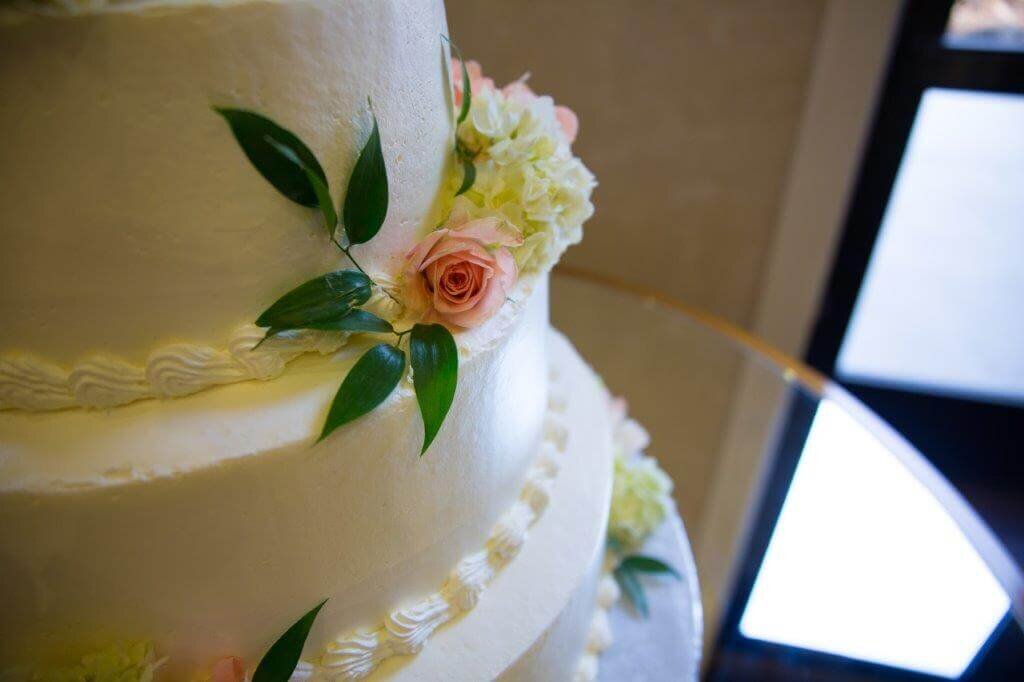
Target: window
{"x":986,"y":25}
{"x":861,"y":562}
{"x":853,"y":570}
{"x":941,"y":308}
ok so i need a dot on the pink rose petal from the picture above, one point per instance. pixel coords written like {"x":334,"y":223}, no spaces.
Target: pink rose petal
{"x":568,"y":122}
{"x":490,"y":231}
{"x":228,"y":669}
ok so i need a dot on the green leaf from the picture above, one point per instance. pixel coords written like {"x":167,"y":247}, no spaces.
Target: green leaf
{"x":279,"y":662}
{"x":369,"y":382}
{"x":632,"y":588}
{"x":468,"y":175}
{"x":356,"y":321}
{"x":467,"y":90}
{"x":435,"y":373}
{"x":251,"y":130}
{"x":323,"y":195}
{"x":353,"y":321}
{"x":637,"y":563}
{"x":366,"y":201}
{"x":324,"y":299}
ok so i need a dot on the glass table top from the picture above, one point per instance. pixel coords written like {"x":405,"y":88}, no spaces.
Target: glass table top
{"x":822,"y":537}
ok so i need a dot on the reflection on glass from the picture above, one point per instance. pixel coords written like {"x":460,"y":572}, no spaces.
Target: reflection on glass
{"x":940,"y":306}
{"x":986,"y":25}
{"x":865,"y":563}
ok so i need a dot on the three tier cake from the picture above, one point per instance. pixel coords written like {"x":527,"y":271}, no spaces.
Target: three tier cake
{"x":276,"y":361}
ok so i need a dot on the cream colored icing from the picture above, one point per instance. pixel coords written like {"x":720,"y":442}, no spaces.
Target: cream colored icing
{"x":131,"y":218}
{"x":599,"y":632}
{"x":405,"y":630}
{"x":173,"y":371}
{"x":218,"y":513}
{"x":524,"y":626}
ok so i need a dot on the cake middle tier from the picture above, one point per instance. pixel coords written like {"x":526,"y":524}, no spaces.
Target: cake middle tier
{"x":210,"y":523}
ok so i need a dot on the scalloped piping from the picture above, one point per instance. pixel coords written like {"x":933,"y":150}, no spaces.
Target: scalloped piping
{"x":599,"y":634}
{"x":172,"y":371}
{"x":180,"y":369}
{"x":405,"y":631}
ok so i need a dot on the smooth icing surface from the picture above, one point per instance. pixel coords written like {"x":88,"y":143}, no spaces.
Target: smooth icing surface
{"x":406,"y":630}
{"x":132,"y":220}
{"x":534,"y":620}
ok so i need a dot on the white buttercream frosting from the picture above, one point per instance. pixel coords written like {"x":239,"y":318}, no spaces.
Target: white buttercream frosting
{"x":170,"y":372}
{"x":599,"y":632}
{"x":279,"y":526}
{"x":405,"y":631}
{"x":131,"y":218}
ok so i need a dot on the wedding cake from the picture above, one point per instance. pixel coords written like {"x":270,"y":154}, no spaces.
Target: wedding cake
{"x":278,"y":393}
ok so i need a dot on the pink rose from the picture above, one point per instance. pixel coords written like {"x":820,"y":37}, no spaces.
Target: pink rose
{"x":568,"y":122}
{"x":517,"y":91}
{"x":462,"y":273}
{"x":228,"y":669}
{"x":477,"y":82}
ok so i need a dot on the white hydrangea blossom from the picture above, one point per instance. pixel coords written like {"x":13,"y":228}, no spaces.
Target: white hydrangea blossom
{"x":641,"y":491}
{"x":525,"y":173}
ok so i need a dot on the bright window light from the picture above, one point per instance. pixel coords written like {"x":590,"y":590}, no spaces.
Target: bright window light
{"x":940,"y":307}
{"x":865,"y":563}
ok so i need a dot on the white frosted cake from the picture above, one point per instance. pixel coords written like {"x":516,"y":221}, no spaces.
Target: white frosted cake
{"x":216,"y":415}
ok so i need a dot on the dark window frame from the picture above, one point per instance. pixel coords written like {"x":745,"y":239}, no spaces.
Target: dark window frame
{"x":920,"y":59}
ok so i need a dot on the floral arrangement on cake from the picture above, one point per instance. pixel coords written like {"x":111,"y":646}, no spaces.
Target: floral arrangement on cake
{"x":523,"y":170}
{"x":518,"y":200}
{"x":641,"y":501}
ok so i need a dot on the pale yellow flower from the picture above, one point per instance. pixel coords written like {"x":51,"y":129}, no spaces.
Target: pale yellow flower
{"x":641,"y":491}
{"x":640,"y":499}
{"x":525,"y":173}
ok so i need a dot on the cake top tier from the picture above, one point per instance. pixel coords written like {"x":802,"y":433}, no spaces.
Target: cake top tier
{"x":130,"y":216}
{"x":172,"y":167}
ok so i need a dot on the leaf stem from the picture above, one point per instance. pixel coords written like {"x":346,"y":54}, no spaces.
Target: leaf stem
{"x":348,"y":253}
{"x":401,"y":335}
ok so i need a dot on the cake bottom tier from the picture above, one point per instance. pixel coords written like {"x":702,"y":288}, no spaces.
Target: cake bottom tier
{"x":520,"y":605}
{"x":535,"y":618}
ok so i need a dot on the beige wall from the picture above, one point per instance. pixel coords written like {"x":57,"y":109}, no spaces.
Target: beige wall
{"x":689,"y":111}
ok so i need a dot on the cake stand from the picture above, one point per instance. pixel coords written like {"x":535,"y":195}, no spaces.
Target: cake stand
{"x":722,"y":407}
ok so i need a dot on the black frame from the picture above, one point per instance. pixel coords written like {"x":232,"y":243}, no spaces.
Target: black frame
{"x":941,"y":427}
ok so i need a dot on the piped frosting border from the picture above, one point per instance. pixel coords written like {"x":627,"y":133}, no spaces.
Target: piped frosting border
{"x":172,"y":371}
{"x":599,"y":633}
{"x":404,"y":631}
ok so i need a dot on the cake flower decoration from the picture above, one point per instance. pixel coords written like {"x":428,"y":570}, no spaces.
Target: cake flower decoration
{"x":517,"y":91}
{"x":514,"y":149}
{"x":334,"y":302}
{"x":640,"y":502}
{"x":228,"y":669}
{"x":461,"y":274}
{"x":522,"y":199}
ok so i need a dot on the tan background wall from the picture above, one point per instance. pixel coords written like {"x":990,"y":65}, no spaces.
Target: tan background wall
{"x":689,"y":113}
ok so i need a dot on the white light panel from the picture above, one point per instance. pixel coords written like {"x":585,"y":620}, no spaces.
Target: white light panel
{"x":941,"y":308}
{"x":865,"y":563}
